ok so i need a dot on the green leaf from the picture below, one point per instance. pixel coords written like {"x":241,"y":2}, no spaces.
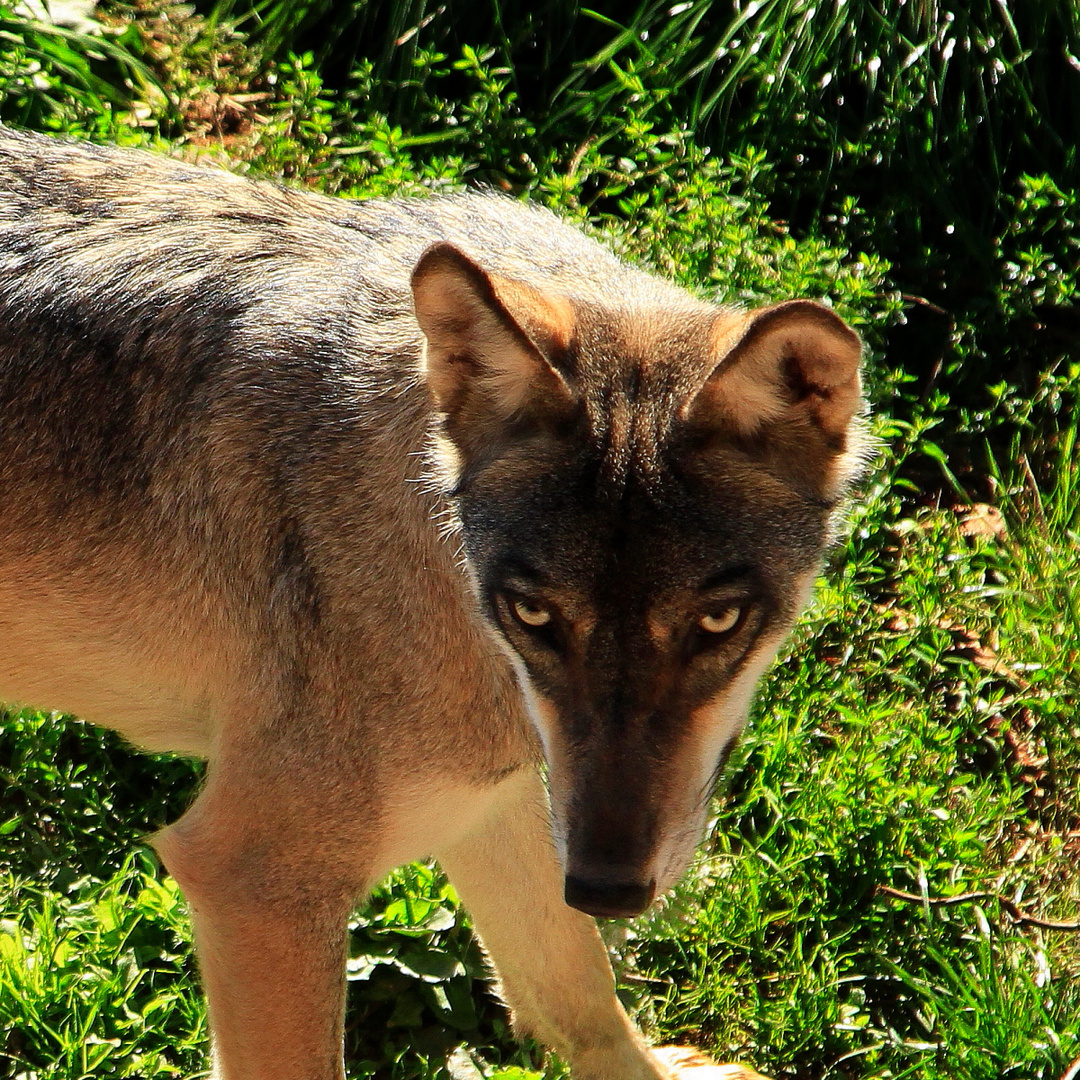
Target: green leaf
{"x":431,"y":965}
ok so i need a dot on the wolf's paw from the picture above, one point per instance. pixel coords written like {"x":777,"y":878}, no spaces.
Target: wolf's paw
{"x":686,"y":1063}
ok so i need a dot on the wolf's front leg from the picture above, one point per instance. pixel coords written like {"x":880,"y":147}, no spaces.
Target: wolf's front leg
{"x":270,"y":937}
{"x":552,"y":966}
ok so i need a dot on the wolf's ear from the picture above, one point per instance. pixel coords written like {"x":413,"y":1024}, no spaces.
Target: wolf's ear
{"x":489,"y":344}
{"x":794,"y":364}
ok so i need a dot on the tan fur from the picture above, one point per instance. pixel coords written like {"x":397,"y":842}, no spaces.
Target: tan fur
{"x":274,"y":469}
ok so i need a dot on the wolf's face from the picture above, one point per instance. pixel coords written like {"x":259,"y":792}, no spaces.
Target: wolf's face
{"x":645,"y":495}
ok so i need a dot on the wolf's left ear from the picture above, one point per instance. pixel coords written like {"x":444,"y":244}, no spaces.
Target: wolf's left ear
{"x":489,"y":344}
{"x":795,"y":363}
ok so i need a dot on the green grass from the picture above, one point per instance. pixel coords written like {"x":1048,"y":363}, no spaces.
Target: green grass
{"x":919,"y":737}
{"x":96,"y":980}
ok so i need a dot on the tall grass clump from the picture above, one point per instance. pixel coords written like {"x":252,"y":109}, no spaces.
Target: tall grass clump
{"x":52,"y":76}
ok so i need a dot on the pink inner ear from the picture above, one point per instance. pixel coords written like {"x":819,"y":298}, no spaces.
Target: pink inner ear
{"x":824,"y":360}
{"x":823,"y":368}
{"x":450,"y":295}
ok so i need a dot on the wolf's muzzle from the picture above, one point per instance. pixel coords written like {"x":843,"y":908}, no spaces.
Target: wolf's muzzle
{"x":609,"y":900}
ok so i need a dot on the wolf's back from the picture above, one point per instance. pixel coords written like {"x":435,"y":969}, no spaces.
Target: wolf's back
{"x":105,"y":227}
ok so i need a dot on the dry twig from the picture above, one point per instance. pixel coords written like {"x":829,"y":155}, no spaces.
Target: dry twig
{"x":1017,"y":914}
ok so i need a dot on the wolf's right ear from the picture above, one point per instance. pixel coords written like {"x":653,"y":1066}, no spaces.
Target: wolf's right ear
{"x":795,"y":364}
{"x":788,"y":382}
{"x":489,"y":340}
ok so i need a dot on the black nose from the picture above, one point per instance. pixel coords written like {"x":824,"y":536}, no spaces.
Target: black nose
{"x":608,"y":900}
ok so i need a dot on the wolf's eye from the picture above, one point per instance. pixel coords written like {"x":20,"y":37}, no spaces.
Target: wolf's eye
{"x":530,"y":612}
{"x":721,"y":621}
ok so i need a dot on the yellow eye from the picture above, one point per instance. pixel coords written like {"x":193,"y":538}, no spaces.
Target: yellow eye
{"x":720,"y":622}
{"x":531,"y":613}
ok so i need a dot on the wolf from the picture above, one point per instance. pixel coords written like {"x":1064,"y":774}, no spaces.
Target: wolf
{"x":433,"y":526}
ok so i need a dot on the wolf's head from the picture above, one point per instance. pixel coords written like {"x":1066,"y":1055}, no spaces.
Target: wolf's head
{"x":645,"y":492}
